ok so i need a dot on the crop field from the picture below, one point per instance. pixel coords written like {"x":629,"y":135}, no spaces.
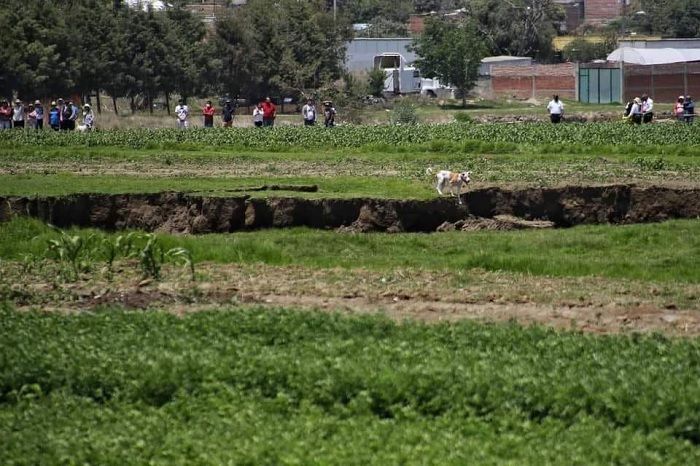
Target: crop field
{"x":497,"y":339}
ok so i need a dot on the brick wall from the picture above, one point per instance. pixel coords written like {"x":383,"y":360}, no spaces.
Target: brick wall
{"x":601,"y":11}
{"x":539,"y":81}
{"x":664,"y":83}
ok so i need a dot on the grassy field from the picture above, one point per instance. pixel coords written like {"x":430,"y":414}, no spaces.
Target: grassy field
{"x":481,"y":347}
{"x":261,"y":387}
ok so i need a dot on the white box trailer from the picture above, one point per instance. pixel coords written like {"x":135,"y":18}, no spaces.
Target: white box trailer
{"x":403,"y":78}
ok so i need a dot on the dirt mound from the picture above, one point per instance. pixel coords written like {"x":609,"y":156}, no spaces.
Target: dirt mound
{"x":499,"y":222}
{"x":186,"y":213}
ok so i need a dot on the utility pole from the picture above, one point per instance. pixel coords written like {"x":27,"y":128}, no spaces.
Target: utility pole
{"x":335,"y":7}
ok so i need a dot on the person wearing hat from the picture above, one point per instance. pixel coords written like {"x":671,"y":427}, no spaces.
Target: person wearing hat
{"x":18,"y":115}
{"x":55,"y":116}
{"x":227,"y":113}
{"x":5,"y":115}
{"x":635,"y":115}
{"x":328,"y":114}
{"x":88,"y":119}
{"x":39,"y":115}
{"x":678,"y":110}
{"x":182,"y":111}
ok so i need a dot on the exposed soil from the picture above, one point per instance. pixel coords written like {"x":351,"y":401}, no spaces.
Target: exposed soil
{"x":588,"y":303}
{"x":186,"y":213}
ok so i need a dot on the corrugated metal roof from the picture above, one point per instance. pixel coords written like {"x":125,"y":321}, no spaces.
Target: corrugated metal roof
{"x":645,"y":56}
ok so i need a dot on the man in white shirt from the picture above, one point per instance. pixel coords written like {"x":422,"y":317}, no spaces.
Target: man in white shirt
{"x":556,"y":109}
{"x":309,"y":113}
{"x":182,"y":112}
{"x":647,"y":109}
{"x":18,"y":115}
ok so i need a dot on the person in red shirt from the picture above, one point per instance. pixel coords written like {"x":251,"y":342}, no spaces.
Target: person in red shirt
{"x":269,"y":112}
{"x":5,"y":115}
{"x":208,"y":113}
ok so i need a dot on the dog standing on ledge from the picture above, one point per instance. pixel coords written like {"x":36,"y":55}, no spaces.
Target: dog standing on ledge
{"x":453,"y":180}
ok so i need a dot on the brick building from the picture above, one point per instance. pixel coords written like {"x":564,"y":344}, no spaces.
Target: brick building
{"x":602,"y":11}
{"x":534,"y":81}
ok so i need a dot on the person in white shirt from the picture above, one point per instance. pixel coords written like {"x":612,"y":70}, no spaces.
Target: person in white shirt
{"x":18,"y":115}
{"x":309,"y":113}
{"x":88,"y":119}
{"x":647,"y":109}
{"x":258,"y":115}
{"x":635,"y":115}
{"x":182,"y":112}
{"x":556,"y":109}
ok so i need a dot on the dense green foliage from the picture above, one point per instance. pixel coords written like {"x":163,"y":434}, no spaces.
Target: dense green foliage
{"x":79,"y":47}
{"x":450,"y":52}
{"x":667,"y":18}
{"x":663,"y":252}
{"x":358,"y":136}
{"x":261,"y":387}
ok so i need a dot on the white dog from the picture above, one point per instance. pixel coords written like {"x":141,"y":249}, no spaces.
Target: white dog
{"x":453,"y":180}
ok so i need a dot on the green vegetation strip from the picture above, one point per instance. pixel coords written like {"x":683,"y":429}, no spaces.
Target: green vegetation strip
{"x":281,"y":387}
{"x":665,"y":252}
{"x":359,"y":136}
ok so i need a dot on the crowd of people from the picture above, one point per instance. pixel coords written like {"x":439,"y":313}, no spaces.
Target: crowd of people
{"x":264,"y":114}
{"x":62,"y":116}
{"x":637,"y":111}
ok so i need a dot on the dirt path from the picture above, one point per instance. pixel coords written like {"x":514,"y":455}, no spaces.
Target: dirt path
{"x":586,"y":304}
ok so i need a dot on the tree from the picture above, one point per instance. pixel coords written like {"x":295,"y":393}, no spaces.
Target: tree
{"x":451,"y":52}
{"x":668,"y":18}
{"x":280,"y":47}
{"x":582,"y":50}
{"x":523,"y":28}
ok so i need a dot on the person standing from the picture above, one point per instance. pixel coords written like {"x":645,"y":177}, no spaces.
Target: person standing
{"x":308,"y":111}
{"x":688,"y":109}
{"x":556,"y":109}
{"x":678,"y":109}
{"x":258,"y":115}
{"x":182,"y":111}
{"x":54,"y":117}
{"x":31,"y":117}
{"x":5,"y":115}
{"x":66,"y":113}
{"x":208,"y":113}
{"x":18,"y":115}
{"x":39,"y":114}
{"x":74,"y":115}
{"x":328,"y":114}
{"x":269,"y":112}
{"x":647,"y":109}
{"x":227,"y":113}
{"x":88,"y":118}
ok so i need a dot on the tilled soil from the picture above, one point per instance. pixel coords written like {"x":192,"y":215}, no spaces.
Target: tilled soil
{"x":587,"y":304}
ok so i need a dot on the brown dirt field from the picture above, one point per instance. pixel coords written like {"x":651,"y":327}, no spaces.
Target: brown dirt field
{"x":585,"y":304}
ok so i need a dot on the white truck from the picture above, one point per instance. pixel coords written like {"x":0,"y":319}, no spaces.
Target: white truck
{"x":403,"y":78}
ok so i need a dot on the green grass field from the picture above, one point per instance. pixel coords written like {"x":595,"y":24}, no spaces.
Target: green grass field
{"x":280,"y":387}
{"x":264,"y":358}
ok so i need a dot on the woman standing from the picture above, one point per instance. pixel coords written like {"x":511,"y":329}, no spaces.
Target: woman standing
{"x":258,"y":115}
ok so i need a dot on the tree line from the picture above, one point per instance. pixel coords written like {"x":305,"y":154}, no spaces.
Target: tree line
{"x":85,"y":47}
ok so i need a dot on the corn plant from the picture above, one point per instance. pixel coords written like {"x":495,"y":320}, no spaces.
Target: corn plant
{"x":68,"y":249}
{"x":183,"y":256}
{"x":151,"y":257}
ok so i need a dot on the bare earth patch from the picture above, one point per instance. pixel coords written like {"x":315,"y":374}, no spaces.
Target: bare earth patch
{"x":588,"y":304}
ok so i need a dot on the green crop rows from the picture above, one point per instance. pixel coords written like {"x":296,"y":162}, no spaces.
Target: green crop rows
{"x":359,"y":136}
{"x":261,"y":387}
